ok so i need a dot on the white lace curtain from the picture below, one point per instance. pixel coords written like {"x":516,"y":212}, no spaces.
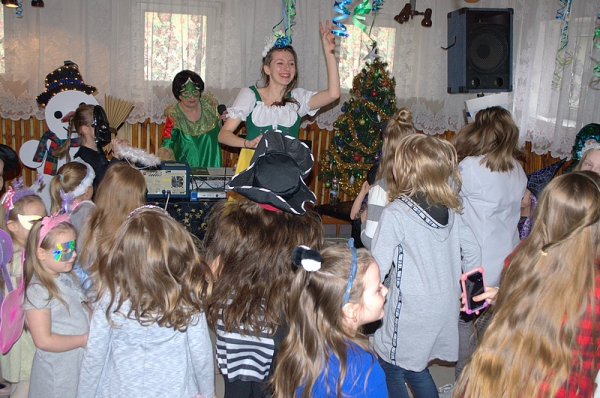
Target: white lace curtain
{"x":106,"y":39}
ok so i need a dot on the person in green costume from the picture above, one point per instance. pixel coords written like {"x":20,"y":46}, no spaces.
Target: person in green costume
{"x":192,"y":124}
{"x":279,"y":104}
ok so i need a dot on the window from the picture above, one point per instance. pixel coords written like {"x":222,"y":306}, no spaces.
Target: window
{"x":2,"y":70}
{"x":173,"y":42}
{"x":355,"y":47}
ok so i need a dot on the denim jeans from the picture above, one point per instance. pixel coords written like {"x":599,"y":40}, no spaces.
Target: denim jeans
{"x":422,"y":383}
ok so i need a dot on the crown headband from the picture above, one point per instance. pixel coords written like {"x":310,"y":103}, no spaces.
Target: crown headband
{"x":88,"y":181}
{"x":353,"y":268}
{"x":48,"y":223}
{"x":589,"y":145}
{"x":134,"y":211}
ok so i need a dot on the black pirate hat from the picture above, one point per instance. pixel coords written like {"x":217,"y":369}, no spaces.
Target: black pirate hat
{"x":65,"y":78}
{"x":276,"y":174}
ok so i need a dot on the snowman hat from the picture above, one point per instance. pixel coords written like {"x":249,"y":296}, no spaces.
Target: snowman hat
{"x":65,"y":78}
{"x":276,"y":172}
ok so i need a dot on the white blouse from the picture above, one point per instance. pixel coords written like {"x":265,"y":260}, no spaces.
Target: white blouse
{"x":263,"y":115}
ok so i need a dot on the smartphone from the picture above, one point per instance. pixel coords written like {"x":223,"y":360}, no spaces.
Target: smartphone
{"x":473,"y":285}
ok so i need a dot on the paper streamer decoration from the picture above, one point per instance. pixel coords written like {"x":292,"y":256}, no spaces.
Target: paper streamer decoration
{"x":341,"y":8}
{"x":362,"y":9}
{"x":563,"y":57}
{"x":377,"y":4}
{"x":288,"y":11}
{"x":359,"y":15}
{"x":596,"y":42}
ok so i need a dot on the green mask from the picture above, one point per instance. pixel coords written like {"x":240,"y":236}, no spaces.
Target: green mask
{"x":190,"y":90}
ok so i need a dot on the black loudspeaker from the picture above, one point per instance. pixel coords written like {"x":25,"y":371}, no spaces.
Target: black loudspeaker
{"x":480,"y":50}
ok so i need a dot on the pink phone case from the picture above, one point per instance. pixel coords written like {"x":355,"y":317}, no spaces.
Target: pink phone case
{"x":463,"y":278}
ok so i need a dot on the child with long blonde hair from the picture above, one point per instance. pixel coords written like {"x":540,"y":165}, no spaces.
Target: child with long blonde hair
{"x":20,"y":207}
{"x":331,"y":296}
{"x":397,"y":127}
{"x":493,"y":186}
{"x":149,"y":336}
{"x":54,"y":304}
{"x":542,"y":340}
{"x":71,"y":191}
{"x":424,"y":244}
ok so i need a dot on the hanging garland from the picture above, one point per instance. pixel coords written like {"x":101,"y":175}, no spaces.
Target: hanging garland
{"x":364,"y":8}
{"x":596,"y":42}
{"x":288,"y":10}
{"x":563,"y":57}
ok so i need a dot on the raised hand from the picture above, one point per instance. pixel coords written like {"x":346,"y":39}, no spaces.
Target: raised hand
{"x":327,"y":37}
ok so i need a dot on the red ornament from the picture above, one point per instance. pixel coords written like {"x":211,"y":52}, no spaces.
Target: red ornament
{"x":384,"y":83}
{"x":374,"y":93}
{"x":356,"y":158}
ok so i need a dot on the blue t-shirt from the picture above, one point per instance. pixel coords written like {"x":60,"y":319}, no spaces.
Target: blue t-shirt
{"x":364,"y":377}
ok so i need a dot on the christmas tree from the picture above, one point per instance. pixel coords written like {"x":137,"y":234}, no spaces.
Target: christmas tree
{"x":356,"y":144}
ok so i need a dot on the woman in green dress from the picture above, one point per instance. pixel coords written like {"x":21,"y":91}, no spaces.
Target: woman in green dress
{"x":192,"y":124}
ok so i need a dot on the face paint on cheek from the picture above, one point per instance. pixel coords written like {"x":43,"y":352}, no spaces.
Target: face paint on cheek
{"x":64,"y":251}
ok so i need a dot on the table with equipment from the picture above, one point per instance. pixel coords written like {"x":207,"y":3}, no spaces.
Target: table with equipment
{"x":188,"y":194}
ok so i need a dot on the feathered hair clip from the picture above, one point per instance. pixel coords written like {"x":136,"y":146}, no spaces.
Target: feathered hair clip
{"x":134,"y":155}
{"x":305,"y":257}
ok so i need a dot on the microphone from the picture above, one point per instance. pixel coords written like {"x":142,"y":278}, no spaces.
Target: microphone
{"x":221,"y":109}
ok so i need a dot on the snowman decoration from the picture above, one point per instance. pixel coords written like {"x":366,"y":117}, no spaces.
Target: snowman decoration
{"x":64,"y":92}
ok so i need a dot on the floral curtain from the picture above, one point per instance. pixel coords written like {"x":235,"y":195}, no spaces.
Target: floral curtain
{"x":108,"y":39}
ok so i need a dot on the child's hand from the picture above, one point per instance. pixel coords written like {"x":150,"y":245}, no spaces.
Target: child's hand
{"x":84,"y":340}
{"x":489,"y":295}
{"x":365,"y":188}
{"x":254,"y":142}
{"x":223,"y":116}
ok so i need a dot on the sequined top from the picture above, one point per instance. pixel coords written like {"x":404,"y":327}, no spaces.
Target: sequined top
{"x":194,"y":142}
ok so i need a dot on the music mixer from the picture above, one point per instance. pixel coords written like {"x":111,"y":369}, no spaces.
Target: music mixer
{"x":171,"y":179}
{"x":177,"y":181}
{"x":209,"y":182}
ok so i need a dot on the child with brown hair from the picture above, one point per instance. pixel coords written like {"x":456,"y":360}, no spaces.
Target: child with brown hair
{"x":20,"y":207}
{"x":542,"y":340}
{"x":425,"y":245}
{"x":332,"y":295}
{"x":122,"y":189}
{"x":249,"y":244}
{"x":148,"y":335}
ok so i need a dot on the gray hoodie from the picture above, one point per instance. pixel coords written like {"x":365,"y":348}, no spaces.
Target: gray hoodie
{"x":425,"y":259}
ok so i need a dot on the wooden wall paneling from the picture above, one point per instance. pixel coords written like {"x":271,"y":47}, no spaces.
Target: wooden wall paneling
{"x":148,"y":136}
{"x":144,"y":135}
{"x":134,"y":135}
